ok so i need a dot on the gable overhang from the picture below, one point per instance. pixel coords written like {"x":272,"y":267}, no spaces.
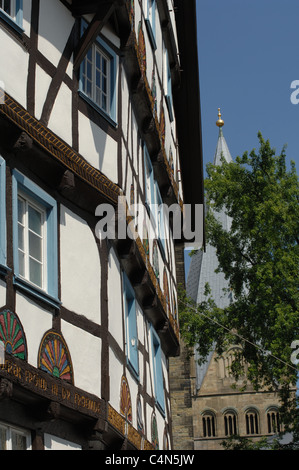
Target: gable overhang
{"x":188,"y":107}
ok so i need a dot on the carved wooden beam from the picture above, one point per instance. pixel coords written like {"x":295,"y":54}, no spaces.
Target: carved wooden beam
{"x":24,"y":143}
{"x":6,"y":389}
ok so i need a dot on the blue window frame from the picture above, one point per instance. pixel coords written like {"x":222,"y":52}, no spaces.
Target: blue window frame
{"x":97,"y":83}
{"x":157,"y":370}
{"x":35,"y":244}
{"x":151,"y":22}
{"x":12,"y":12}
{"x":2,"y":213}
{"x":131,"y":327}
{"x":168,"y":86}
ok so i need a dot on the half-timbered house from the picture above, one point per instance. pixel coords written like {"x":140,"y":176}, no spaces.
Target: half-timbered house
{"x":99,"y":134}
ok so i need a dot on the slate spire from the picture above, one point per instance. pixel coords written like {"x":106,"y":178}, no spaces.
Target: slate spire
{"x":204,"y":263}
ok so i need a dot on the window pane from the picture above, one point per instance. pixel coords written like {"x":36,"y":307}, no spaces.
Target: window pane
{"x":104,"y":103}
{"x":35,"y":220}
{"x":35,"y":272}
{"x":20,"y":237}
{"x":98,"y":97}
{"x":104,"y":84}
{"x":21,"y":210}
{"x":88,"y":88}
{"x":21,"y":263}
{"x":35,"y":246}
{"x":98,"y":60}
{"x":89,"y":70}
{"x":98,"y":78}
{"x":104,"y":66}
{"x":18,"y":441}
{"x":2,"y":439}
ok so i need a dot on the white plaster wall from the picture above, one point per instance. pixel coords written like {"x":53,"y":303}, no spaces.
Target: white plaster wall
{"x":149,"y":381}
{"x":43,"y":81}
{"x":161,"y":428}
{"x":110,"y":34}
{"x":2,"y":293}
{"x":98,"y":148}
{"x":138,"y":15}
{"x":149,"y":56}
{"x":61,"y":117}
{"x":133,"y":385}
{"x":159,"y":42}
{"x":55,"y":25}
{"x":115,"y":299}
{"x":135,"y":141}
{"x":148,"y":412}
{"x":125,"y":102}
{"x":80,"y":267}
{"x":115,"y":374}
{"x":55,"y":443}
{"x":36,"y":322}
{"x":140,"y":324}
{"x":14,"y":73}
{"x":85,"y":351}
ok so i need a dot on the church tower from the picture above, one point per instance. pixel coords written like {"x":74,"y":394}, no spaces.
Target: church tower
{"x":220,"y":410}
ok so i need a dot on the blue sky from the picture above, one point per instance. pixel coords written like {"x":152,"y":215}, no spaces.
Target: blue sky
{"x":248,"y":57}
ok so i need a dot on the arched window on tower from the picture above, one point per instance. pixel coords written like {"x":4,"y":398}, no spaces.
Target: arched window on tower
{"x":230,"y":423}
{"x":209,"y":424}
{"x":252,"y":422}
{"x":273,"y":420}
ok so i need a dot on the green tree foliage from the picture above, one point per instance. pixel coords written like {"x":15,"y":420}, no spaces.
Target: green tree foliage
{"x":260,"y":259}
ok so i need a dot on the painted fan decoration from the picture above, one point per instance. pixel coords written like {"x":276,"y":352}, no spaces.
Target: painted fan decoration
{"x":54,"y":357}
{"x":125,"y":400}
{"x":12,"y":335}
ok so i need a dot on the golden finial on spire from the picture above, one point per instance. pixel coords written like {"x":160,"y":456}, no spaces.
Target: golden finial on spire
{"x":220,"y":122}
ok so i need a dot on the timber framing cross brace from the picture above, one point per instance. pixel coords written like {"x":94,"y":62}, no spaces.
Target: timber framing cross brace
{"x":100,"y":18}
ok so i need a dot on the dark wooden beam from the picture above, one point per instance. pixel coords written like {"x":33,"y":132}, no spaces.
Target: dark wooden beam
{"x":100,"y":19}
{"x":84,"y":7}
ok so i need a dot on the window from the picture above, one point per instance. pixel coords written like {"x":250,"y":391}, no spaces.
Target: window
{"x":149,"y":182}
{"x":35,"y":239}
{"x":131,"y":327}
{"x":154,"y":202}
{"x":32,"y":239}
{"x":168,"y":85}
{"x":160,"y":219}
{"x":209,"y":424}
{"x":158,"y":373}
{"x":2,"y":214}
{"x":98,"y":78}
{"x":252,"y":426}
{"x":273,"y":421}
{"x":13,"y":439}
{"x":12,"y":12}
{"x":151,"y":22}
{"x":230,"y":423}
